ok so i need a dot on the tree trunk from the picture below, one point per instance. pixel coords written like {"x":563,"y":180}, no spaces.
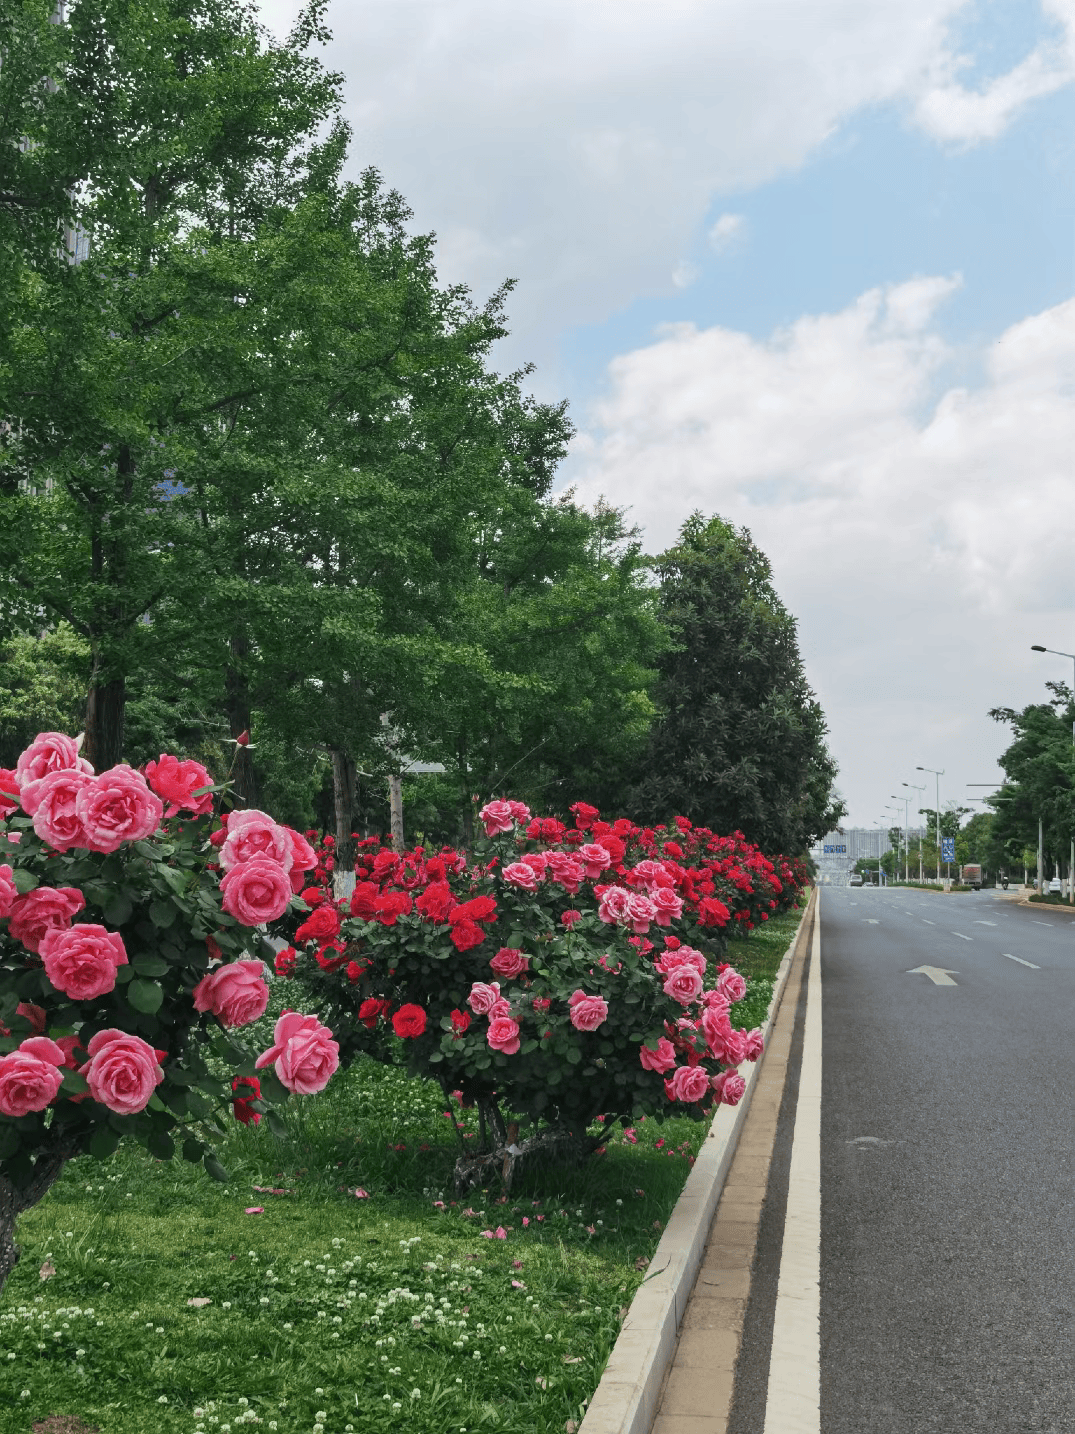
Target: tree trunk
{"x":237,"y":705}
{"x":395,"y":808}
{"x":105,"y":708}
{"x":343,"y":790}
{"x":14,"y":1199}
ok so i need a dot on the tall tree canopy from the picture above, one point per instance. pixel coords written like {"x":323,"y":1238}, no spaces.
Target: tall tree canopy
{"x":740,"y":740}
{"x":1040,"y":769}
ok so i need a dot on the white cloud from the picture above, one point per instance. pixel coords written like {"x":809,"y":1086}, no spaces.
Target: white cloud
{"x":579,"y":144}
{"x":921,"y":530}
{"x":684,"y":274}
{"x":728,"y":228}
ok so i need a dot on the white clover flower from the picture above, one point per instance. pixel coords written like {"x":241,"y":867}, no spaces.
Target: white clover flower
{"x":25,"y":1394}
{"x":416,"y":1394}
{"x":79,"y":1353}
{"x":264,"y":1300}
{"x":318,"y":1393}
{"x":288,"y":1326}
{"x":226,"y":1305}
{"x":163,"y":1399}
{"x":321,"y":1415}
{"x":243,"y":1402}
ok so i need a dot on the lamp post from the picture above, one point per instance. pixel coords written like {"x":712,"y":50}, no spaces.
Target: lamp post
{"x":896,"y":863}
{"x":906,"y":834}
{"x":1034,"y":647}
{"x":917,"y":789}
{"x":937,"y":813}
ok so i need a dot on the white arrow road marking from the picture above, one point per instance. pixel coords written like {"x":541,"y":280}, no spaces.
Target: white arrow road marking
{"x":985,"y":923}
{"x":1020,"y":960}
{"x":961,"y":936}
{"x":937,"y":974}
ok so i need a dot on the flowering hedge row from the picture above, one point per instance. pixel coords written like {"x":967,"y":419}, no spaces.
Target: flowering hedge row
{"x":559,"y":973}
{"x":126,"y":953}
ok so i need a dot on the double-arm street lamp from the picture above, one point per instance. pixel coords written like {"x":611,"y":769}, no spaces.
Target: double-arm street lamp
{"x":919,"y":790}
{"x":1034,"y":647}
{"x":937,"y":813}
{"x":906,"y":834}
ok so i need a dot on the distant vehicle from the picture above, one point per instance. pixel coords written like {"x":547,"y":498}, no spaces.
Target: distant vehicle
{"x":971,"y":876}
{"x":1056,"y":885}
{"x":856,"y":879}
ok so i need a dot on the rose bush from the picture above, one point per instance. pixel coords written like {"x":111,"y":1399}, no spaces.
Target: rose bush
{"x":128,"y":953}
{"x":560,"y":973}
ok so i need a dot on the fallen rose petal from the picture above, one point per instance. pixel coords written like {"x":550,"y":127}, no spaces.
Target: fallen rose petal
{"x":270,"y":1190}
{"x":199,"y":1301}
{"x":518,"y":1285}
{"x":361,"y":1194}
{"x":254,"y":1210}
{"x":47,"y":1270}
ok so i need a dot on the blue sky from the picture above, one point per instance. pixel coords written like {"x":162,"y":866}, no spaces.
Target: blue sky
{"x":806,"y":265}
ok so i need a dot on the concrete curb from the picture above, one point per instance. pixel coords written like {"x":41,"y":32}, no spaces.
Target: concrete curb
{"x":625,"y":1401}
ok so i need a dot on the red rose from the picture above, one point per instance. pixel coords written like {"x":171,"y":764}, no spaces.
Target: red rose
{"x":436,"y":903}
{"x":322,"y":925}
{"x":392,"y":905}
{"x":285,"y":962}
{"x":355,"y":971}
{"x":467,"y":935}
{"x":371,"y":1010}
{"x":585,"y":815}
{"x":460,"y":1021}
{"x":312,"y":895}
{"x":712,"y":912}
{"x":509,"y":962}
{"x":364,"y":900}
{"x":409,"y":1022}
{"x":616,"y":848}
{"x":241,"y":1106}
{"x":479,"y":908}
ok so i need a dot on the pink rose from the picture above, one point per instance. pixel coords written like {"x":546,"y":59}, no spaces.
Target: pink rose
{"x":303,"y":1053}
{"x":503,"y":1035}
{"x":726,"y":1044}
{"x":54,"y":802}
{"x":683,"y":984}
{"x":236,"y":994}
{"x":729,"y":1086}
{"x":82,"y":960}
{"x":613,"y":905}
{"x":30,"y":1077}
{"x":177,"y":782}
{"x":520,"y":811}
{"x":122,"y":1071}
{"x":537,"y":861}
{"x":253,"y":834}
{"x":570,"y":918}
{"x":681,"y":956}
{"x":9,"y":791}
{"x":716,"y":1000}
{"x":660,"y":1060}
{"x":731,"y":985}
{"x":483,"y":997}
{"x":497,"y":817}
{"x":45,"y":909}
{"x":8,"y":890}
{"x":735,"y":1047}
{"x":509,"y":963}
{"x":640,"y":912}
{"x":668,"y":905}
{"x":303,"y":858}
{"x":565,"y":871}
{"x":688,"y":1084}
{"x":587,"y":1012}
{"x":256,"y":891}
{"x":116,"y":807}
{"x":499,"y":1007}
{"x":755,"y":1044}
{"x":518,"y":873}
{"x":48,"y":752}
{"x":595,"y":859}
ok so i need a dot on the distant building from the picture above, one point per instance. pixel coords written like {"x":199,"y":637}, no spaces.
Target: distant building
{"x":837,"y":852}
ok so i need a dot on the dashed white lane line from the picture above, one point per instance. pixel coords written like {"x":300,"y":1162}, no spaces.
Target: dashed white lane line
{"x":961,"y":936}
{"x":793,"y":1401}
{"x":1020,"y":960}
{"x":929,"y":923}
{"x":1044,"y":923}
{"x":985,"y":923}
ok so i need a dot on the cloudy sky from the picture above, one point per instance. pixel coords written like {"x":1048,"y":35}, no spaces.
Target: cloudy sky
{"x":804,"y":263}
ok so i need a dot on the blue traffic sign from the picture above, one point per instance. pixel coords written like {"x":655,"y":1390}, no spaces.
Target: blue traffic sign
{"x":948,"y":848}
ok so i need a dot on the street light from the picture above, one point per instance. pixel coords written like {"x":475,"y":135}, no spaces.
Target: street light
{"x":896,"y":863}
{"x":917,"y":789}
{"x":906,"y":834}
{"x":938,"y":775}
{"x":1034,"y":647}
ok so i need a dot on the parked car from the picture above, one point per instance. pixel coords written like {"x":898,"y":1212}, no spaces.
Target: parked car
{"x":856,"y":879}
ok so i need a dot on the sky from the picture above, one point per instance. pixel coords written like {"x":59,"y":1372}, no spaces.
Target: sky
{"x":808,"y":264}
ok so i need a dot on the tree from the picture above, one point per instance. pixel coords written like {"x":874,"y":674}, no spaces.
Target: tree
{"x":1040,"y":768}
{"x":740,"y":741}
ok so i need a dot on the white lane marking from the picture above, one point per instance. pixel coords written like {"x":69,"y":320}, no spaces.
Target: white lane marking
{"x":1020,"y":960}
{"x":961,"y":936}
{"x":793,"y":1400}
{"x":937,"y":974}
{"x":869,"y":921}
{"x":929,"y":923}
{"x":985,"y":923}
{"x":1043,"y":923}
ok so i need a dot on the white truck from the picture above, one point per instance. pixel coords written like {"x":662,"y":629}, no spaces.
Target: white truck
{"x":971,"y":876}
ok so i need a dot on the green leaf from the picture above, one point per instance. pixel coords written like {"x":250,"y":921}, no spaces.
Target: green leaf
{"x":145,"y":996}
{"x":162,"y":913}
{"x":9,"y":1141}
{"x":24,"y":880}
{"x":104,"y":1142}
{"x":434,"y":1057}
{"x":118,"y":910}
{"x":215,"y":1169}
{"x":177,"y":880}
{"x":73,"y":1083}
{"x":150,"y":966}
{"x":528,"y":1046}
{"x":573,"y":1055}
{"x":161,"y":1145}
{"x":276,"y":1125}
{"x":193,"y":1150}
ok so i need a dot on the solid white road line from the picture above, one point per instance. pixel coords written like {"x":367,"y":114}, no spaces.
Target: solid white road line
{"x":1020,"y":960}
{"x":793,"y":1402}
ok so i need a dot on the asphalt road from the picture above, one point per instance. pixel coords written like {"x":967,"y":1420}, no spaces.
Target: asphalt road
{"x":948,"y":1165}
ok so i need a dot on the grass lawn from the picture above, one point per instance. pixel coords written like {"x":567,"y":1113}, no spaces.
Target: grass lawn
{"x":285,"y":1300}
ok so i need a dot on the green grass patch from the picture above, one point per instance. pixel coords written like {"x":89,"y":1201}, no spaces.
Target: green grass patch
{"x":1049,"y":898}
{"x":173,"y":1309}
